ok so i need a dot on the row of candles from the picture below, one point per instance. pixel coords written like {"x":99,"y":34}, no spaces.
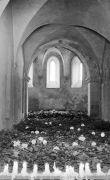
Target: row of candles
{"x":84,"y":172}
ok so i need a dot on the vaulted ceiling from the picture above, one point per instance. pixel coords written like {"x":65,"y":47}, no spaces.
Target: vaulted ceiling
{"x":93,"y":15}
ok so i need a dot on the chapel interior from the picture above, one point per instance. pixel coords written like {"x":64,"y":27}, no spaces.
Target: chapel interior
{"x":54,"y":54}
{"x":55,"y":88}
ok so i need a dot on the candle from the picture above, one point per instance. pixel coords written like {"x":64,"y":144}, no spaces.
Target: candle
{"x":35,"y":170}
{"x":87,"y":169}
{"x":15,"y":169}
{"x":5,"y":171}
{"x":81,"y":170}
{"x":47,"y":169}
{"x":24,"y":169}
{"x":99,"y":172}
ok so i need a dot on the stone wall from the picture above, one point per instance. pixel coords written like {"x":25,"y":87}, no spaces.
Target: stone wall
{"x":63,"y":98}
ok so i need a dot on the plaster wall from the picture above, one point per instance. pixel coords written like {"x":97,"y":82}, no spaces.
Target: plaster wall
{"x":3,"y":5}
{"x":23,"y":11}
{"x":6,"y":59}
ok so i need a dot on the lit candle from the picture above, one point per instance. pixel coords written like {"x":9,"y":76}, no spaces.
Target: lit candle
{"x":67,"y":170}
{"x":24,"y":169}
{"x":87,"y":169}
{"x":5,"y":171}
{"x":72,"y":172}
{"x":56,"y":170}
{"x":81,"y":170}
{"x":99,"y":172}
{"x":35,"y":170}
{"x":47,"y":169}
{"x":15,"y":169}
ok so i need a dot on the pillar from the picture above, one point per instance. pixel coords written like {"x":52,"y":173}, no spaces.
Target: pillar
{"x":106,"y":101}
{"x":25,"y":94}
{"x":17,"y":93}
{"x":94,"y":99}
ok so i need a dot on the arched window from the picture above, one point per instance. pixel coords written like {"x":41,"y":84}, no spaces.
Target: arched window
{"x":77,"y":73}
{"x":30,"y":75}
{"x":53,"y":72}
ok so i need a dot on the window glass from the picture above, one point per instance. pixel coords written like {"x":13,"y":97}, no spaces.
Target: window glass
{"x":53,"y":72}
{"x":77,"y":72}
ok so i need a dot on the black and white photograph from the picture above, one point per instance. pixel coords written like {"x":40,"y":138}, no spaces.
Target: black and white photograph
{"x":54,"y":89}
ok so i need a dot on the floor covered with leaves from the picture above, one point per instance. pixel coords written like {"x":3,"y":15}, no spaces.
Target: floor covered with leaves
{"x":66,"y":138}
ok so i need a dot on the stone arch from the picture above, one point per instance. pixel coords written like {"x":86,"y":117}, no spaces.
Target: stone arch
{"x":90,"y":64}
{"x":83,"y":19}
{"x":93,"y":75}
{"x":53,"y":72}
{"x":50,"y":50}
{"x":58,"y":55}
{"x":45,"y":52}
{"x":69,"y":44}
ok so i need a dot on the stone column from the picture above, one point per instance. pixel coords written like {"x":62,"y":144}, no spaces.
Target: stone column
{"x":106,"y":88}
{"x":26,"y":80}
{"x":106,"y":100}
{"x":94,"y":99}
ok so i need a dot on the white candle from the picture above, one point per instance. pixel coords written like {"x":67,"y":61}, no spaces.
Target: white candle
{"x":24,"y":169}
{"x":47,"y":169}
{"x":99,"y":172}
{"x":81,"y":170}
{"x":5,"y":171}
{"x":67,"y":170}
{"x":15,"y":169}
{"x":35,"y":170}
{"x":56,"y":170}
{"x":87,"y":169}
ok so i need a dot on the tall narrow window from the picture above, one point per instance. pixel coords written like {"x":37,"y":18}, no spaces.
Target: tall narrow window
{"x":53,"y":72}
{"x":77,"y":73}
{"x":30,"y":74}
